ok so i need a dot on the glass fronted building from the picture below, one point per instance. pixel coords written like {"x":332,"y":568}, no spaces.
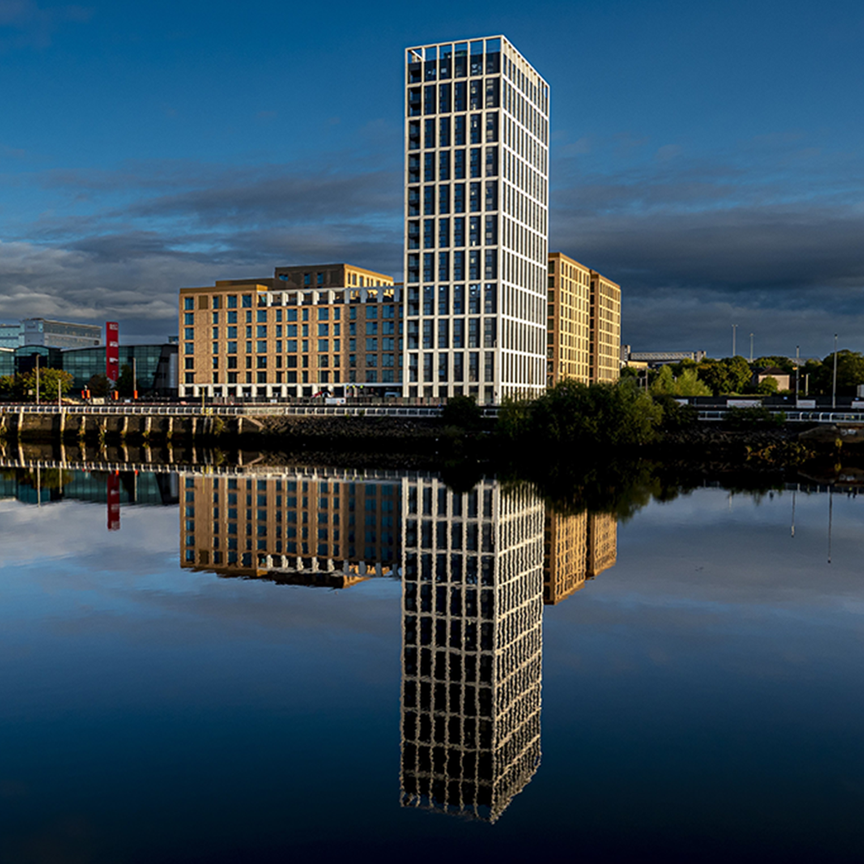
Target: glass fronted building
{"x":155,"y":366}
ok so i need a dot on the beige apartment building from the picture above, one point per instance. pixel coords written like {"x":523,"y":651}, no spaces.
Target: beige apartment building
{"x":332,"y":328}
{"x":583,"y":333}
{"x":604,"y":362}
{"x":310,"y":527}
{"x":576,"y":548}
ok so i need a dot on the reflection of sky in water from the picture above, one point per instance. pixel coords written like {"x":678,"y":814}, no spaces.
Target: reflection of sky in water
{"x":702,"y":699}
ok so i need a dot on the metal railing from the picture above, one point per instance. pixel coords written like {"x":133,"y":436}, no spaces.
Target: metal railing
{"x":265,"y":410}
{"x":718,"y":415}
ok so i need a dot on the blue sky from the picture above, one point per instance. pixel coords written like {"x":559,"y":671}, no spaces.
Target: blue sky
{"x":706,"y":156}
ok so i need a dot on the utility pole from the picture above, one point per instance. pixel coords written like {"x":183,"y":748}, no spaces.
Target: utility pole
{"x":834,"y":387}
{"x":751,"y":347}
{"x":37,"y":379}
{"x":734,"y":328}
{"x":797,"y":369}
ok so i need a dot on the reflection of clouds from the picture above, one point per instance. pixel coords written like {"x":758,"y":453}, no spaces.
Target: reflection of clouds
{"x":698,"y":584}
{"x":72,"y":528}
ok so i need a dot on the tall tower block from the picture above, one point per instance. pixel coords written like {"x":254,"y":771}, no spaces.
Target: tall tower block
{"x":476,"y":221}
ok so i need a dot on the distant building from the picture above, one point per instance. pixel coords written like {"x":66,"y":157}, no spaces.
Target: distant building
{"x":782,"y":377}
{"x":11,"y":336}
{"x":154,"y":366}
{"x":664,"y":358}
{"x":60,"y":334}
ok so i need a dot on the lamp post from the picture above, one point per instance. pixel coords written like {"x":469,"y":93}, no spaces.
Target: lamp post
{"x":751,"y":347}
{"x":734,"y":328}
{"x":834,"y":386}
{"x":797,"y":370}
{"x":37,"y":378}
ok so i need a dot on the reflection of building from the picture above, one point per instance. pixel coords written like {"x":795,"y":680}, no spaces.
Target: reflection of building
{"x":471,"y":664}
{"x":298,"y":528}
{"x":304,"y":330}
{"x":576,"y":548}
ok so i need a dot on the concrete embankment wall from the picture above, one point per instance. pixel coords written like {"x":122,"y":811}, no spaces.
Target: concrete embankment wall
{"x":74,"y":425}
{"x":160,"y":427}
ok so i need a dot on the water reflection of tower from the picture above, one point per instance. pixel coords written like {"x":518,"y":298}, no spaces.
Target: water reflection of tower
{"x":311,"y":526}
{"x":472,"y":642}
{"x":576,"y":548}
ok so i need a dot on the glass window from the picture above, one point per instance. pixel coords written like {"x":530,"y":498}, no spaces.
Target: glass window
{"x":443,"y":199}
{"x":232,"y":317}
{"x":429,"y":133}
{"x":459,"y":131}
{"x":444,"y":132}
{"x":428,"y":233}
{"x":444,"y":165}
{"x":261,"y":331}
{"x":443,"y":232}
{"x":459,"y":232}
{"x":458,"y":332}
{"x":189,"y":303}
{"x":247,"y":301}
{"x":460,"y":67}
{"x":444,"y":61}
{"x":323,"y":346}
{"x":476,"y":127}
{"x":414,"y":135}
{"x":232,"y":301}
{"x":444,"y":98}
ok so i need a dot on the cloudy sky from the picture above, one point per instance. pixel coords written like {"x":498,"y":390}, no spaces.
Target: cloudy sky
{"x":706,"y":156}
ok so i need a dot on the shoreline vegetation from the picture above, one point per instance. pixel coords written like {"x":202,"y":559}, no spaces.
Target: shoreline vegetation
{"x":554,"y":441}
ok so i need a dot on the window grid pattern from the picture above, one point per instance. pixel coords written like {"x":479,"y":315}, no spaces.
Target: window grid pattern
{"x":294,"y":528}
{"x":476,"y":220}
{"x":472,"y":641}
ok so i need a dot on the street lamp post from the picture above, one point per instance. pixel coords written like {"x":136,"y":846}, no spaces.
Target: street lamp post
{"x":734,"y":328}
{"x":797,"y":371}
{"x":834,"y":386}
{"x":751,"y":347}
{"x":37,"y":379}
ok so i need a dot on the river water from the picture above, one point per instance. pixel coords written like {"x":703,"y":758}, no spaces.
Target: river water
{"x":267,"y":664}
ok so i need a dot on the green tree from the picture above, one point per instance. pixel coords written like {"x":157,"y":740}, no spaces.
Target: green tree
{"x":850,"y":372}
{"x":686,"y":383}
{"x":463,"y":412}
{"x":571,"y":415}
{"x":125,"y":383}
{"x":99,"y":385}
{"x":767,"y":386}
{"x":774,"y":360}
{"x":49,"y":381}
{"x":724,"y":377}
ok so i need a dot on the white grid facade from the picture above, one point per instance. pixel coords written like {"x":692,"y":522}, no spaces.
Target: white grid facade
{"x":472,"y":605}
{"x":476,"y":221}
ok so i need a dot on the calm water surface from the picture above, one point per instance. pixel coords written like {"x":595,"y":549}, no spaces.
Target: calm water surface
{"x":282,"y":663}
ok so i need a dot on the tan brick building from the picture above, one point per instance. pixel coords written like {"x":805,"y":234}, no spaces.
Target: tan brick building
{"x":576,"y":548}
{"x":583,"y":334}
{"x":334,"y":328}
{"x":604,"y":363}
{"x":300,"y":527}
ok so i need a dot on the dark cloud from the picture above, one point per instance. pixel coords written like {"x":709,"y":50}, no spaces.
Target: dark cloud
{"x":766,"y":237}
{"x":697,"y":246}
